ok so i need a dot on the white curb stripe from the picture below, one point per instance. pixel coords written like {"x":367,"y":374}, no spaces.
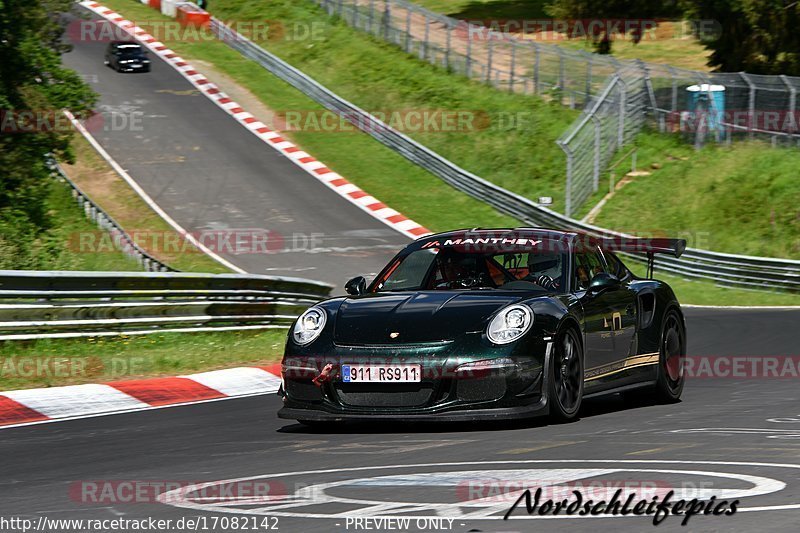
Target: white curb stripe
{"x":238,"y":381}
{"x":75,"y":400}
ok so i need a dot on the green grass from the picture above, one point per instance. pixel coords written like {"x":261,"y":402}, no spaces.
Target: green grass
{"x":65,"y":234}
{"x":55,"y":362}
{"x":377,"y":76}
{"x":742,"y":199}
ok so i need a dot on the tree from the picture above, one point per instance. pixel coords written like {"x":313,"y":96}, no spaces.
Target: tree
{"x":756,"y":36}
{"x":33,"y":84}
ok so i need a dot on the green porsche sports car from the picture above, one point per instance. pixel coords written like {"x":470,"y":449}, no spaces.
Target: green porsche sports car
{"x":488,"y":324}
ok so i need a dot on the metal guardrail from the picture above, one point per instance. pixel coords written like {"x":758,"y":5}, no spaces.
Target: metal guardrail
{"x":121,"y":239}
{"x":726,"y":269}
{"x":35,"y":305}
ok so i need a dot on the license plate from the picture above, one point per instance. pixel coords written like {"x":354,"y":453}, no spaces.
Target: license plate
{"x":381,"y":373}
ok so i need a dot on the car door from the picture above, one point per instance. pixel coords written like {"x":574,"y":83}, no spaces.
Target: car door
{"x":625,"y":317}
{"x":609,"y":316}
{"x":599,"y":344}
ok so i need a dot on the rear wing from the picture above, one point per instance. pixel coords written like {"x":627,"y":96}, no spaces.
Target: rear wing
{"x":650,"y":247}
{"x":674,"y":247}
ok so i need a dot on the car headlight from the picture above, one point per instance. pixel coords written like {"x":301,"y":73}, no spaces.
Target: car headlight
{"x":510,"y":324}
{"x":309,"y":326}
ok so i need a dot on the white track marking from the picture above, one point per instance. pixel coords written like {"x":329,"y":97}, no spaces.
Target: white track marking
{"x":763,"y":485}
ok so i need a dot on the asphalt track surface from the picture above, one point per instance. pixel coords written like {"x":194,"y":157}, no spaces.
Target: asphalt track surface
{"x":210,"y":174}
{"x":726,"y":435}
{"x":720,"y":420}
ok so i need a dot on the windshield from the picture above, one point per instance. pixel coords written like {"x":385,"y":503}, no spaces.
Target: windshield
{"x":450,"y":269}
{"x":130,"y":49}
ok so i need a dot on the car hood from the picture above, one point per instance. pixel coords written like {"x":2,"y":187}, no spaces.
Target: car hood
{"x":417,"y":317}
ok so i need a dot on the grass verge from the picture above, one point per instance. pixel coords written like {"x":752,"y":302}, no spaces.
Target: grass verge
{"x":56,"y":362}
{"x":60,"y":239}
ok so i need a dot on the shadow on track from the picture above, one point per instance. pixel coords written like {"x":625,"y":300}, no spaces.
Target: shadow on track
{"x":591,"y":408}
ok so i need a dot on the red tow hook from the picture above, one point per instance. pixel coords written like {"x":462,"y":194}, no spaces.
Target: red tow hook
{"x":325,"y":376}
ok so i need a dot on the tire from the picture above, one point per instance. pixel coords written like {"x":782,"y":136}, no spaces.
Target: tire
{"x":565,"y":390}
{"x":671,"y":355}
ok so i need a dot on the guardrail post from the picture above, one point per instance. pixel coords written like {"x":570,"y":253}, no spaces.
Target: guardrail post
{"x":623,"y":108}
{"x":792,"y":101}
{"x":409,"y":40}
{"x":598,"y":148}
{"x":536,"y":64}
{"x":371,"y":15}
{"x":427,"y":37}
{"x":387,"y":20}
{"x":752,"y":103}
{"x":447,"y":51}
{"x":589,"y":64}
{"x":354,"y":20}
{"x":674,"y":103}
{"x":513,"y":65}
{"x":568,"y":192}
{"x":489,"y":52}
{"x":469,"y":50}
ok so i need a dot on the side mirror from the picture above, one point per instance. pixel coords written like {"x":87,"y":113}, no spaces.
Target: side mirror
{"x":356,"y":286}
{"x":603,"y":282}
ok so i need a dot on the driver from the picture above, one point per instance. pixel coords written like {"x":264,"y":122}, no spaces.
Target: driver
{"x":458,"y":270}
{"x":544,"y":270}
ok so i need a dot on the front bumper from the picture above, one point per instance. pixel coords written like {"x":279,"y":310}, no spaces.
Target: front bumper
{"x":506,"y":391}
{"x":464,"y":414}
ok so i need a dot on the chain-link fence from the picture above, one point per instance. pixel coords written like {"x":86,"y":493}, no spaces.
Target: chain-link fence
{"x":618,"y":97}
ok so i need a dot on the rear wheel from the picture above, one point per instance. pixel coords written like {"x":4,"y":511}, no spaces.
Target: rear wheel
{"x":672,"y":352}
{"x":566,"y":377}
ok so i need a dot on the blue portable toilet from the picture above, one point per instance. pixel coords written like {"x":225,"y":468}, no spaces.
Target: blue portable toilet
{"x":708,"y":100}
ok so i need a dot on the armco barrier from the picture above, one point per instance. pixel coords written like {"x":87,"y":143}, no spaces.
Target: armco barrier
{"x":725,"y":269}
{"x":81,"y":304}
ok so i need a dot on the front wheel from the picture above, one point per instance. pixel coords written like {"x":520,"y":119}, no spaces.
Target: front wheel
{"x":566,"y":377}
